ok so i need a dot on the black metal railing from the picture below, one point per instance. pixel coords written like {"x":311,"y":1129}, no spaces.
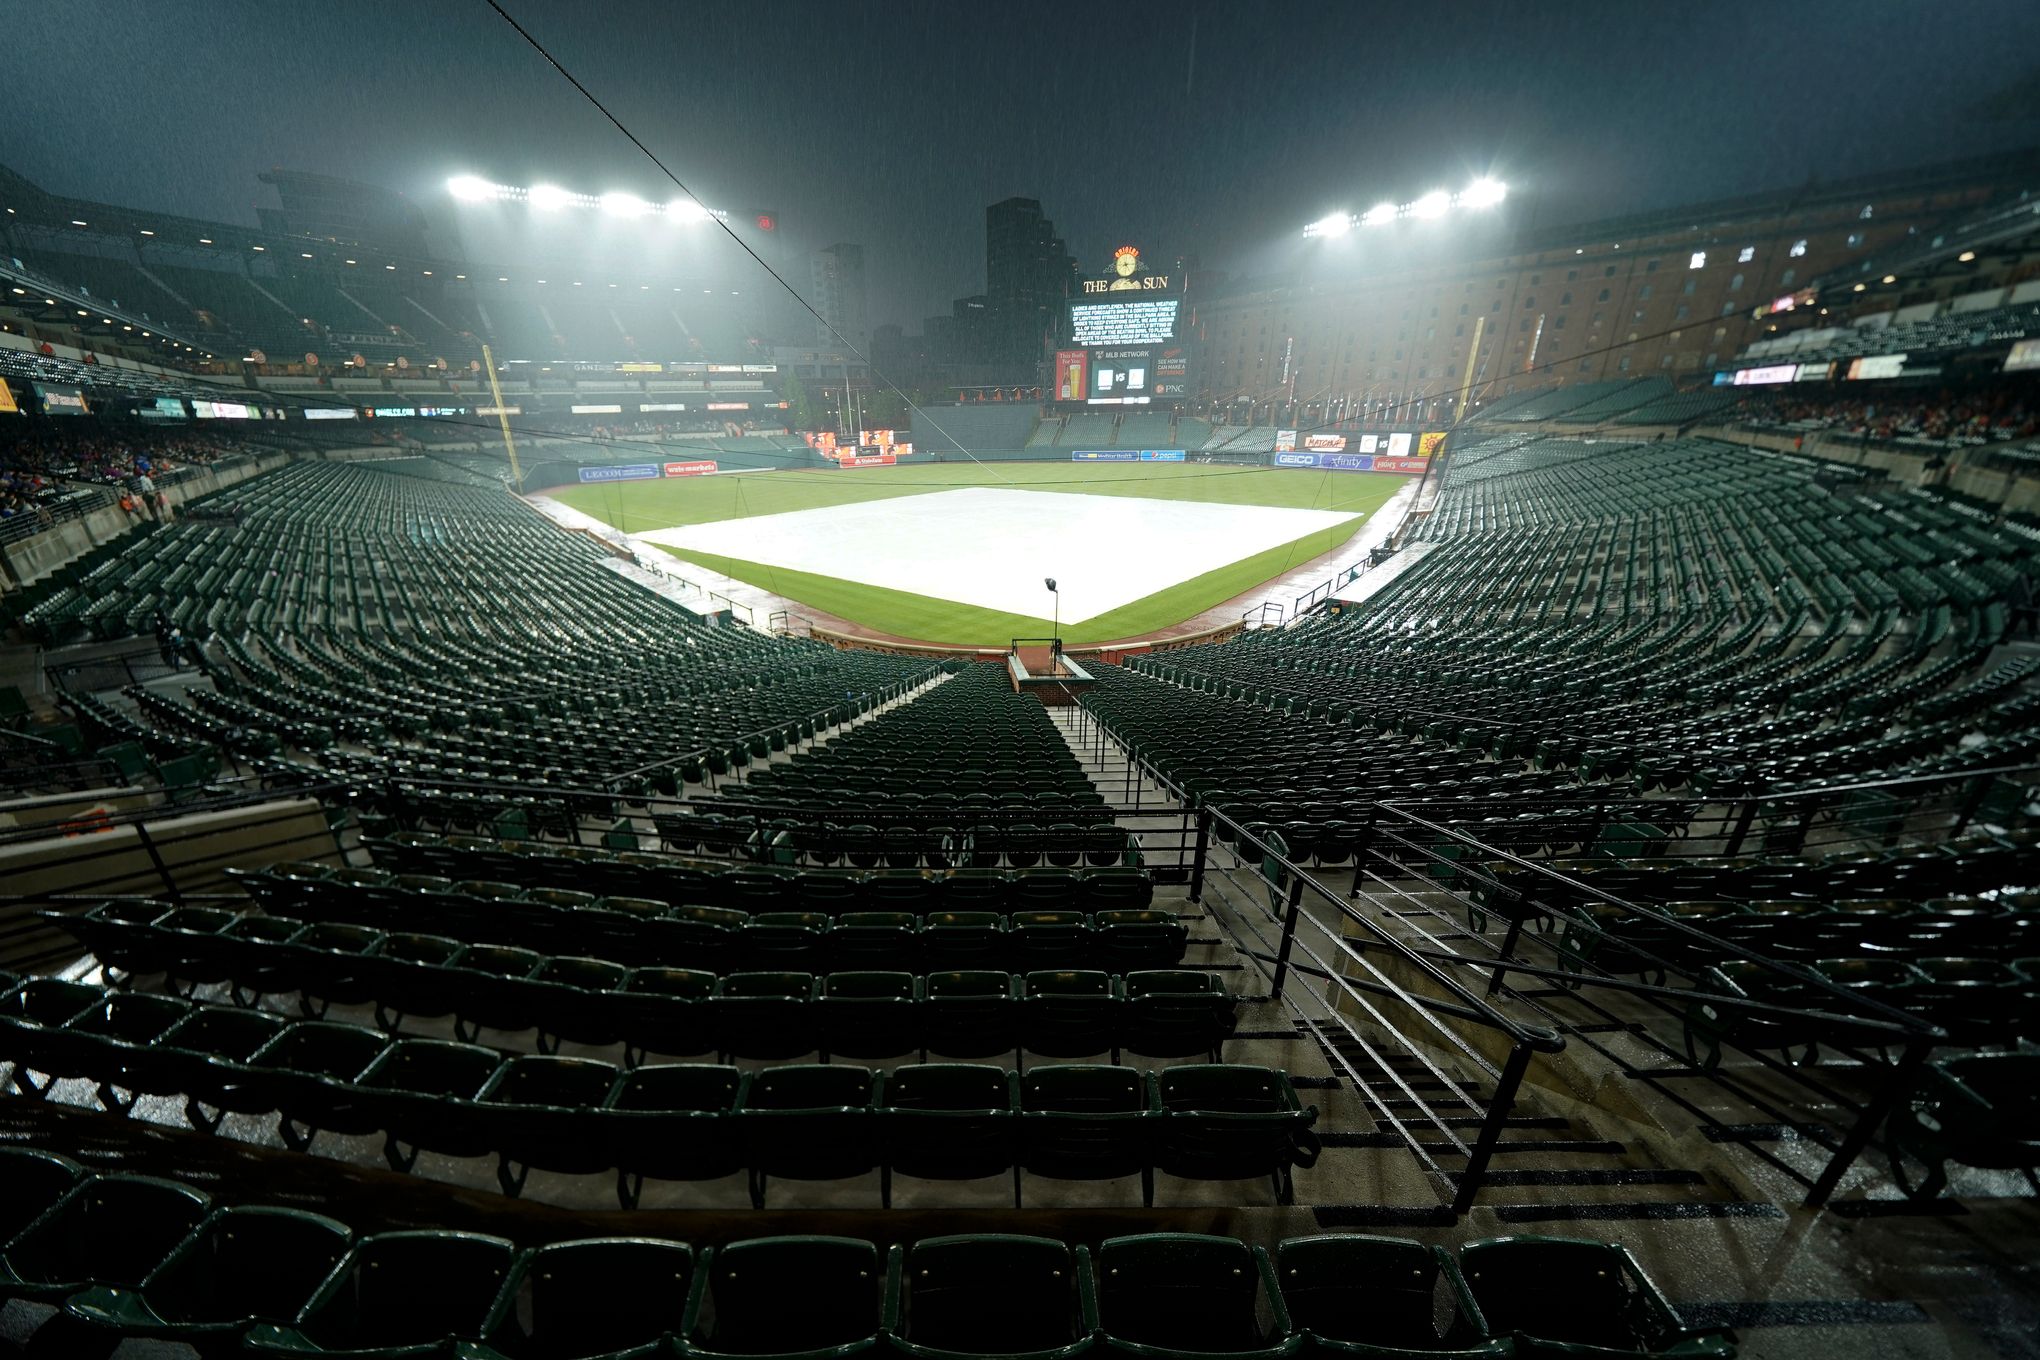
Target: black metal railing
{"x":1574,"y":956}
{"x":1424,"y":872}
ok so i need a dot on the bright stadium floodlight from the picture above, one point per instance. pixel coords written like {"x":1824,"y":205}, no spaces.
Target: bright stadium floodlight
{"x":1332,"y":224}
{"x":686,"y":210}
{"x":1434,"y":204}
{"x":1380,"y":215}
{"x":470,"y":188}
{"x":1483,"y":193}
{"x":623,"y":205}
{"x":547,"y":197}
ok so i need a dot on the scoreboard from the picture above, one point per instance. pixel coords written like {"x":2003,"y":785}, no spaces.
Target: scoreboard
{"x":1126,"y":342}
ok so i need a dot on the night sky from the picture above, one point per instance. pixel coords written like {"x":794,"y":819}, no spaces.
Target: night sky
{"x":1199,"y":126}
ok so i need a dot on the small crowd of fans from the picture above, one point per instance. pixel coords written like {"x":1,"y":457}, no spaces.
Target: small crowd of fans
{"x":1943,"y":415}
{"x":43,"y":465}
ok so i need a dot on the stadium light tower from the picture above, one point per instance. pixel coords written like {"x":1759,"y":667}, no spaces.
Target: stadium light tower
{"x":1483,"y":193}
{"x":546,"y":197}
{"x":1333,"y":224}
{"x":624,"y":205}
{"x":470,"y":188}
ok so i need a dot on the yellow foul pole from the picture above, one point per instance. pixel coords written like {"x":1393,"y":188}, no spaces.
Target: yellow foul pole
{"x":503,"y":417}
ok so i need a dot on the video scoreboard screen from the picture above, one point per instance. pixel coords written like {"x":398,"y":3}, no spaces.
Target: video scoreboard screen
{"x":1125,"y":345}
{"x":1140,"y":321}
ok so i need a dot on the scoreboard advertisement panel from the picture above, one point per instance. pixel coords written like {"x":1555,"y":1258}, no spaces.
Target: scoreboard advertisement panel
{"x":1072,"y":374}
{"x":1126,"y":345}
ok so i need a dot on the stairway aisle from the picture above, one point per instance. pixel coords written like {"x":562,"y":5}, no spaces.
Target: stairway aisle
{"x":1143,"y":806}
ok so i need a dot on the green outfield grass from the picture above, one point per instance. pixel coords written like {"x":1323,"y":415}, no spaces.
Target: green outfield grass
{"x":638,"y":506}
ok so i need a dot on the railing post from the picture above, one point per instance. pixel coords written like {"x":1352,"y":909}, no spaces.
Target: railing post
{"x":1742,"y":828}
{"x":1197,"y":857}
{"x":1804,"y":829}
{"x":1858,"y":1137}
{"x":1491,"y":1127}
{"x":1289,"y":916}
{"x":148,"y":843}
{"x":1971,"y":801}
{"x":1515,"y":932}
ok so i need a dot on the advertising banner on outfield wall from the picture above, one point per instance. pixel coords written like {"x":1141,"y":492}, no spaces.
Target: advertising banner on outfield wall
{"x":868,"y":460}
{"x":1429,"y":443}
{"x":1325,"y":443}
{"x":1331,"y":462}
{"x":1104,"y":455}
{"x":620,"y":472}
{"x":1163,"y":455}
{"x":1285,"y":441}
{"x":1351,"y":462}
{"x":694,"y":469}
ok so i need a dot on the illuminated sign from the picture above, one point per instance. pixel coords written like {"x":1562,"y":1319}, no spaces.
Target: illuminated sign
{"x":1877,"y":366}
{"x":393,"y":412}
{"x":226,"y":410}
{"x":1121,"y":377}
{"x":1814,"y":373}
{"x":729,"y":406}
{"x":662,"y":406}
{"x":63,"y":401}
{"x":621,"y":472}
{"x":610,"y":409}
{"x":499,"y":410}
{"x":7,"y":406}
{"x":761,"y":368}
{"x":1072,"y":374}
{"x":1123,"y":323}
{"x":1172,"y":372}
{"x":640,"y":368}
{"x":331,"y":413}
{"x":1775,"y":373}
{"x":1430,"y":442}
{"x":163,"y":408}
{"x":694,"y":469}
{"x":2024,"y":355}
{"x":1325,"y":443}
{"x":1126,"y":275}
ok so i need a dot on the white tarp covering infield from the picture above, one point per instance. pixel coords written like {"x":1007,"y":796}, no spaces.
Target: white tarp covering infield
{"x":991,"y":547}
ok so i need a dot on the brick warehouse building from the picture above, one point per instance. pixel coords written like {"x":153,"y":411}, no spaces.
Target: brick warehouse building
{"x":1674,"y":292}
